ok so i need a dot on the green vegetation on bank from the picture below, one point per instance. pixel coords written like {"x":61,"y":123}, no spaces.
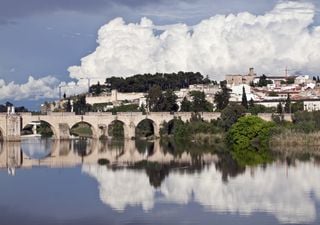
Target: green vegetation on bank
{"x":248,"y":139}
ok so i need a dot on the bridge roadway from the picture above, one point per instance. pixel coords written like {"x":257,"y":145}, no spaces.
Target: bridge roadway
{"x":61,"y":123}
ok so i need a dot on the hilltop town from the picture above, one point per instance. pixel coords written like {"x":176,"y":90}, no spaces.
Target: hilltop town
{"x":270,"y":93}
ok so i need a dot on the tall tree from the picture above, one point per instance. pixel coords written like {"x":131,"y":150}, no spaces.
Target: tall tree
{"x":170,"y":101}
{"x":221,"y":98}
{"x":186,"y":105}
{"x":251,"y":103}
{"x":263,"y":81}
{"x":199,"y":102}
{"x":279,"y":108}
{"x":244,"y":101}
{"x":155,"y":99}
{"x":287,"y":106}
{"x":67,"y":106}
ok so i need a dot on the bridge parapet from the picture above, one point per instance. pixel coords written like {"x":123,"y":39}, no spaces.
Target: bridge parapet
{"x":99,"y":114}
{"x":129,"y":114}
{"x":61,"y":114}
{"x":25,"y":113}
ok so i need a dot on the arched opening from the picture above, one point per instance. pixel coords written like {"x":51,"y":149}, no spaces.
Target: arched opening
{"x":145,"y":129}
{"x":117,"y":134}
{"x":38,"y":129}
{"x":82,"y":130}
{"x":116,"y":129}
{"x":167,"y":128}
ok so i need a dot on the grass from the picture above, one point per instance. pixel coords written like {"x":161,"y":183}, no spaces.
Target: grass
{"x":296,"y":142}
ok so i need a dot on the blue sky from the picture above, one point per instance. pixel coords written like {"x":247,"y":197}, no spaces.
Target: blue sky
{"x":44,"y":37}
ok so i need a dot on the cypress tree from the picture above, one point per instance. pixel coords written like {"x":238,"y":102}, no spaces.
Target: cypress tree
{"x":287,"y":106}
{"x":244,"y":102}
{"x":279,"y":108}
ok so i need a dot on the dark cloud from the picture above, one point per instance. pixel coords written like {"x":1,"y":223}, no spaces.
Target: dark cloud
{"x":11,"y":10}
{"x":15,"y":9}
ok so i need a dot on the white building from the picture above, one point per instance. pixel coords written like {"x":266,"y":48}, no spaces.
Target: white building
{"x":115,"y":97}
{"x":311,"y":105}
{"x":237,"y":91}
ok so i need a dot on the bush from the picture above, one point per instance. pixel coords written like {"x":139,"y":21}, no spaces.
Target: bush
{"x":230,"y":115}
{"x":249,"y":138}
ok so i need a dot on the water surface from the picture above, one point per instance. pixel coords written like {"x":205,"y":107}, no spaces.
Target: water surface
{"x":49,"y":182}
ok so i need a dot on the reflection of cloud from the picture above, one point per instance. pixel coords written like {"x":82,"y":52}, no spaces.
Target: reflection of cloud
{"x":123,"y":187}
{"x":286,"y":195}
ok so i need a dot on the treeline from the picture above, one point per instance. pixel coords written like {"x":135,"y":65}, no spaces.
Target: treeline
{"x":166,"y":81}
{"x":3,"y":108}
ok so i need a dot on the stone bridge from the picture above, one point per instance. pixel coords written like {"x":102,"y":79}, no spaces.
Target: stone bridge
{"x":61,"y":123}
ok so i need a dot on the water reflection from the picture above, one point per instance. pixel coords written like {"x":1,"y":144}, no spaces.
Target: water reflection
{"x":146,"y":174}
{"x":283,"y":192}
{"x":50,"y":153}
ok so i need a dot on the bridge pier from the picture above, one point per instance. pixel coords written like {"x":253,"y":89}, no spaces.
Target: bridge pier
{"x":64,"y":131}
{"x":130,"y":131}
{"x":11,"y":127}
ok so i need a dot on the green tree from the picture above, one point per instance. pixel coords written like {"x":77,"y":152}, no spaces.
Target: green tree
{"x":186,"y":105}
{"x":222,"y":97}
{"x":155,"y":99}
{"x":263,"y":81}
{"x":249,"y":140}
{"x":290,"y":80}
{"x":170,"y":101}
{"x":244,"y":101}
{"x":199,"y":102}
{"x":287,"y":106}
{"x":98,"y":89}
{"x":297,"y":106}
{"x":80,"y":106}
{"x":251,"y":103}
{"x":279,"y":108}
{"x":230,"y":115}
{"x":67,"y":106}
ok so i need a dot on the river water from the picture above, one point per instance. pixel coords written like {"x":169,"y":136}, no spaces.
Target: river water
{"x":91,"y":182}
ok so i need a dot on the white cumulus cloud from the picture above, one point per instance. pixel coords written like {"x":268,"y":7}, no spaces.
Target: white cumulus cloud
{"x":284,"y":36}
{"x":45,"y":87}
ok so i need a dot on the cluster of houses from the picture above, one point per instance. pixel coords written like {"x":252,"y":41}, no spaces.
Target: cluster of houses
{"x":302,"y":88}
{"x":275,"y":89}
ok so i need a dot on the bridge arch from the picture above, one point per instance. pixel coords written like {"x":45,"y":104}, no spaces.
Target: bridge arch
{"x":92,"y":134}
{"x":146,"y":128}
{"x":50,"y":125}
{"x":167,"y":127}
{"x":124,"y":131}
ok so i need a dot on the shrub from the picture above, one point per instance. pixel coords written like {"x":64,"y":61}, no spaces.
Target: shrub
{"x":248,"y":139}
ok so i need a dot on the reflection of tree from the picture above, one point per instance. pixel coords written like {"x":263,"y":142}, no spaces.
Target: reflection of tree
{"x":145,"y":147}
{"x":157,"y":174}
{"x":228,"y":167}
{"x":82,"y":147}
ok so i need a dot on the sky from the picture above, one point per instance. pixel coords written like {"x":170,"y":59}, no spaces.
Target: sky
{"x":45,"y":43}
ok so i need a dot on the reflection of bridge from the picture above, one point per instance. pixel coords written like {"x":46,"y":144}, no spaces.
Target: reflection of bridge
{"x":61,"y":123}
{"x":67,"y":154}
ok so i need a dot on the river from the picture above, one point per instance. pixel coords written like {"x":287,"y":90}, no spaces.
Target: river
{"x":91,"y":182}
